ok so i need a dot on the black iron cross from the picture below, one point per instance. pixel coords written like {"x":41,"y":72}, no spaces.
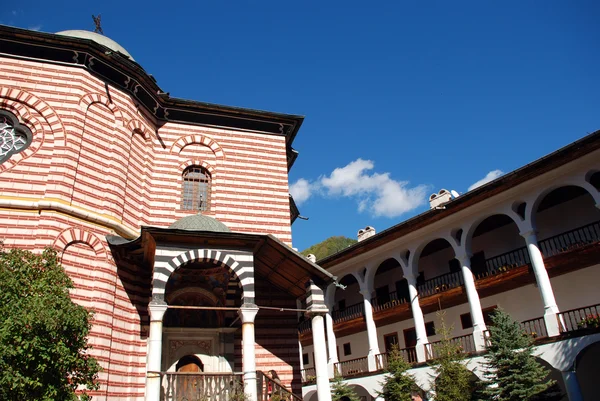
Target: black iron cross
{"x":97,"y":21}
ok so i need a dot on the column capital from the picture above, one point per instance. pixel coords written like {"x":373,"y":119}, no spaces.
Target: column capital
{"x":529,"y":235}
{"x":365,"y":293}
{"x":464,"y":258}
{"x":247,"y":313}
{"x":316,"y":310}
{"x":157,"y":311}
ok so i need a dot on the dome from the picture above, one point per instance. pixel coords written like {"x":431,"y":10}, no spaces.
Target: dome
{"x":198,"y":222}
{"x":100,"y":39}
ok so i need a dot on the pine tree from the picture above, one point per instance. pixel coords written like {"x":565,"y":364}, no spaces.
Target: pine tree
{"x":341,"y":391}
{"x":398,"y":385}
{"x":453,"y":381}
{"x":512,"y":371}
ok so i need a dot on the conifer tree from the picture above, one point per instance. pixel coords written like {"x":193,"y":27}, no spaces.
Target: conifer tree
{"x":512,"y":371}
{"x":341,"y":391}
{"x":398,"y":385}
{"x":453,"y":381}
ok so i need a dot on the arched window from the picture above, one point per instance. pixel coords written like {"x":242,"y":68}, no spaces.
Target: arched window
{"x":14,"y":137}
{"x":196,"y":189}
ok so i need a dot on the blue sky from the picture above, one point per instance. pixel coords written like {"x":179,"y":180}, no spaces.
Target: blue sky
{"x":400,"y":98}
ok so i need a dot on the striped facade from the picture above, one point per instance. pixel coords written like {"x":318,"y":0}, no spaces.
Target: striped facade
{"x":99,"y":164}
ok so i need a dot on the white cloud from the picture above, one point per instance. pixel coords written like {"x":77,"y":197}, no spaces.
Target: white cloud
{"x":35,"y":28}
{"x":491,"y":176}
{"x":301,"y":190}
{"x":376,"y":192}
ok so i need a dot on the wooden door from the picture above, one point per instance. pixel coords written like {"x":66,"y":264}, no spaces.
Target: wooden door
{"x":187,"y":385}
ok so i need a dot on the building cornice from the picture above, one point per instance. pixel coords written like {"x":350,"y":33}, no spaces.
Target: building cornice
{"x":130,"y":77}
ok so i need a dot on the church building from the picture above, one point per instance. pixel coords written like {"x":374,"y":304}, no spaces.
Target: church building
{"x":172,"y":217}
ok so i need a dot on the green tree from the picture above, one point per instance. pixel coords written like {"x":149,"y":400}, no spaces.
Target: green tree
{"x":43,"y":345}
{"x":398,"y":384}
{"x":511,"y":370}
{"x":341,"y":391}
{"x":329,"y":246}
{"x":452,"y":380}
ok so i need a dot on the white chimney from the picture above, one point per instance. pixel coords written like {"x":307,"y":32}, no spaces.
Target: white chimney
{"x":437,"y":201}
{"x":312,"y":258}
{"x":365,"y":233}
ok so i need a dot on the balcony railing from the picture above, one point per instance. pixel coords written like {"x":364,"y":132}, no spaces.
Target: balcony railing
{"x":308,"y":375}
{"x":440,"y":284}
{"x":349,"y":313}
{"x":408,"y":354}
{"x":180,"y":386}
{"x":305,"y":326}
{"x":268,"y":388}
{"x":387,"y":302}
{"x":535,"y":328}
{"x":579,"y":319}
{"x":566,"y":241}
{"x":465,"y":343}
{"x":353,"y":367}
{"x":505,"y":262}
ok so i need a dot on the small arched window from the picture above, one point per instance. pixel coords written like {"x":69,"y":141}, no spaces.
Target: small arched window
{"x":14,"y":137}
{"x":196,"y":189}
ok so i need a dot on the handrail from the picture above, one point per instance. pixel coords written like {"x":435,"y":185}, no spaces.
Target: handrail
{"x":579,"y":318}
{"x":308,"y":375}
{"x":505,"y":262}
{"x":392,"y":299}
{"x":305,"y":326}
{"x":268,"y":387}
{"x":408,"y":354}
{"x":179,"y":386}
{"x":535,"y":328}
{"x":352,"y":367}
{"x":349,"y":313}
{"x":568,"y":240}
{"x":440,"y":283}
{"x":466,"y":344}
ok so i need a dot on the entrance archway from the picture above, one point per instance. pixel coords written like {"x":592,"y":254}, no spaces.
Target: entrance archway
{"x":587,"y":370}
{"x":189,"y":363}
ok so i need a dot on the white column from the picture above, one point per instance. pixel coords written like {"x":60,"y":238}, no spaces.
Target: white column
{"x":418,"y":319}
{"x":371,"y":330}
{"x":331,"y":345}
{"x":247,"y":315}
{"x":543,"y":282}
{"x":318,"y":333}
{"x":154,"y":352}
{"x":572,"y":386}
{"x":474,"y":304}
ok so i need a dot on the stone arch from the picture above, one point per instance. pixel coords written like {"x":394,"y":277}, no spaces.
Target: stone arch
{"x":414,"y":257}
{"x":311,"y":396}
{"x":532,"y":207}
{"x":54,"y":122}
{"x":201,"y":139}
{"x":136,"y":126}
{"x":587,"y":370}
{"x":470,"y":230}
{"x":211,"y":169}
{"x":87,"y":100}
{"x":243,"y":270}
{"x":78,"y":235}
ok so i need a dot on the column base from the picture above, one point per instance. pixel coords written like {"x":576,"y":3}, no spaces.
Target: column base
{"x":479,"y":340}
{"x":331,"y":369}
{"x":421,"y":352}
{"x":371,"y":363}
{"x":552,"y":323}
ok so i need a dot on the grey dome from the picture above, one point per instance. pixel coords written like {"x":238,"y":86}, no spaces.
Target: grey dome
{"x":96,"y":37}
{"x":198,"y":222}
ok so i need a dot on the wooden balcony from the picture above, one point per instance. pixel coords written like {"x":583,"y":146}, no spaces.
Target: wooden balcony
{"x":408,"y":354}
{"x":563,"y":253}
{"x":353,"y":367}
{"x":308,"y":375}
{"x":464,"y":344}
{"x":586,"y":318}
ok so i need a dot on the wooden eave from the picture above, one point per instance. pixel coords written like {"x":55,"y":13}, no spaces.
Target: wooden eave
{"x":274,"y":261}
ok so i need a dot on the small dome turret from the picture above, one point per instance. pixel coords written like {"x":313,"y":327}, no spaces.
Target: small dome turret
{"x":98,"y":38}
{"x":199,"y":222}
